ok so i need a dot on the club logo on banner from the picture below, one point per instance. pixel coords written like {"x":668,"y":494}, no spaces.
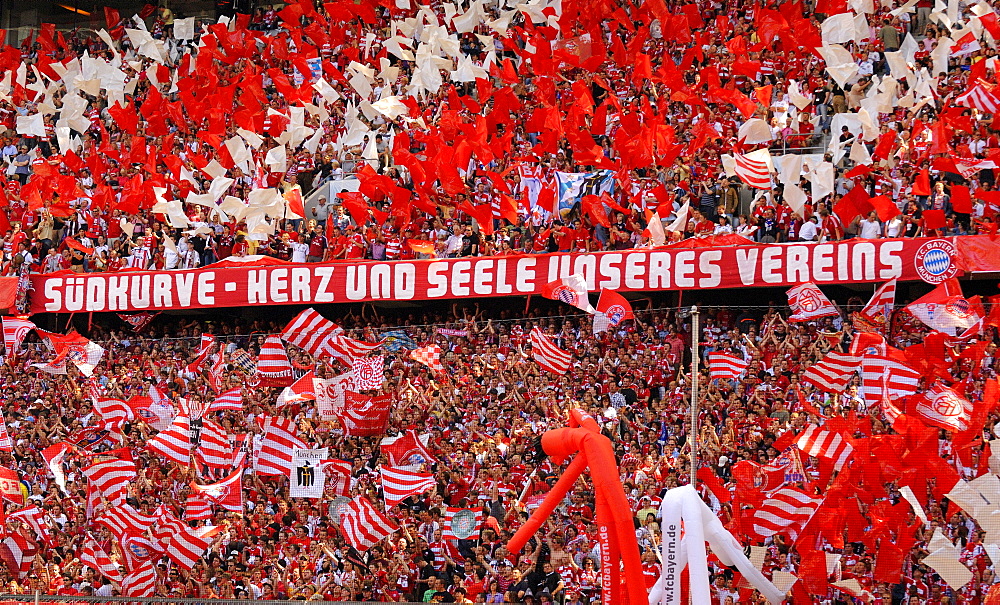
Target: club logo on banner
{"x":330,"y":394}
{"x":465,"y":524}
{"x":306,"y":477}
{"x":935,"y":261}
{"x":615,"y":314}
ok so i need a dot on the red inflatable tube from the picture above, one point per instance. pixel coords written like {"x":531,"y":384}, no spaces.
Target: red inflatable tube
{"x":614,"y":519}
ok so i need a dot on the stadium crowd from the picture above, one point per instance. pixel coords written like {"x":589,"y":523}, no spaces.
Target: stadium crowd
{"x":135,"y":175}
{"x":484,"y":414}
{"x":472,"y":129}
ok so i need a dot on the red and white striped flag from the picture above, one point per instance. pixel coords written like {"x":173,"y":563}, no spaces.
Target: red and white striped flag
{"x":217,"y":374}
{"x":310,"y":331}
{"x":754,"y":168}
{"x":18,"y":554}
{"x":978,"y":97}
{"x":14,"y":331}
{"x":187,"y":546}
{"x":227,"y":493}
{"x":6,"y":443}
{"x":461,"y":523}
{"x":273,"y":366}
{"x":832,"y":373}
{"x":215,"y":450}
{"x":124,"y":520}
{"x":111,"y":478}
{"x":94,"y":557}
{"x":724,"y":365}
{"x":113,"y":412}
{"x":399,"y":483}
{"x":363,"y":525}
{"x":430,"y":356}
{"x":547,"y":355}
{"x":786,"y":512}
{"x":165,"y":526}
{"x":197,"y":508}
{"x":301,"y":390}
{"x":32,"y":515}
{"x":879,"y":308}
{"x":819,"y":442}
{"x":277,"y":444}
{"x":141,"y":582}
{"x":880,"y":372}
{"x":174,"y":444}
{"x":943,"y":407}
{"x":808,"y":302}
{"x":369,"y":372}
{"x":230,"y":400}
{"x":349,"y":349}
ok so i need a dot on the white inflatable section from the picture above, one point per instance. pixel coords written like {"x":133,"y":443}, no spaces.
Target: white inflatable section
{"x":687,"y":523}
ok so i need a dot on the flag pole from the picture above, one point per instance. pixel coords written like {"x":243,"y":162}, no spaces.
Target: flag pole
{"x":695,"y":359}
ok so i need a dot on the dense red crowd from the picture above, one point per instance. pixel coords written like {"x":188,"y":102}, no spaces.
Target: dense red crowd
{"x":484,"y":414}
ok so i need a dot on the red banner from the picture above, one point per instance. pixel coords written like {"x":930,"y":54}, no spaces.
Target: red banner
{"x":230,"y":284}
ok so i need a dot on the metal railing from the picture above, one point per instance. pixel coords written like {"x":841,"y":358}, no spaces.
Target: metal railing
{"x":806,"y":137}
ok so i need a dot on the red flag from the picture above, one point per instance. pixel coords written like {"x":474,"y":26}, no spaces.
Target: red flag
{"x":111,"y":17}
{"x":615,"y":307}
{"x":406,"y":449}
{"x":922,"y":184}
{"x":301,"y":390}
{"x":10,"y":486}
{"x":961,"y":199}
{"x":293,"y":197}
{"x":934,"y":219}
{"x":227,"y":493}
{"x":365,"y":416}
{"x":76,"y":245}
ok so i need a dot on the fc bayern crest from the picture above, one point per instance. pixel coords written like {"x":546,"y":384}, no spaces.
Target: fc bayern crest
{"x":615,"y":314}
{"x":565,"y":294}
{"x":935,"y":261}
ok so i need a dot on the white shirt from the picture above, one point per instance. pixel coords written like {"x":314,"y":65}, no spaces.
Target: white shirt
{"x":894,"y":227}
{"x":808,"y":231}
{"x":299,"y":251}
{"x":870,"y":229}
